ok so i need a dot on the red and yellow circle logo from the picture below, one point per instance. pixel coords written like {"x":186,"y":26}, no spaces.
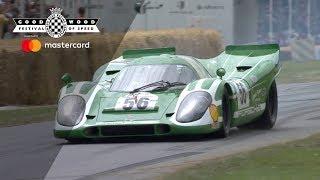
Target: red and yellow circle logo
{"x":30,"y":45}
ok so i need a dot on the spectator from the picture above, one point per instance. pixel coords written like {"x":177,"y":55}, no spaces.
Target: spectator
{"x":81,"y":12}
{"x":10,"y":12}
{"x":3,"y":21}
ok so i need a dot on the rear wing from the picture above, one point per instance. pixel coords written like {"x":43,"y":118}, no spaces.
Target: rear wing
{"x":137,"y":53}
{"x":252,"y":50}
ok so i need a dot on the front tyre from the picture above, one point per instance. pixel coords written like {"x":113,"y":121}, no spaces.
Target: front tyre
{"x":269,"y":116}
{"x":223,"y":132}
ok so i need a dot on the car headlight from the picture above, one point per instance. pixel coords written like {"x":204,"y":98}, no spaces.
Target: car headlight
{"x":193,"y":106}
{"x":70,"y":110}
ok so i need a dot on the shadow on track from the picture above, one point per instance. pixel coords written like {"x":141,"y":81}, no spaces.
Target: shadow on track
{"x":159,"y":139}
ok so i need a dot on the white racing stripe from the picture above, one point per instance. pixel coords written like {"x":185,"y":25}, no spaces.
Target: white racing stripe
{"x":78,"y":87}
{"x":63,"y":92}
{"x":250,"y":110}
{"x":226,"y":60}
{"x":199,"y":84}
{"x":88,"y":105}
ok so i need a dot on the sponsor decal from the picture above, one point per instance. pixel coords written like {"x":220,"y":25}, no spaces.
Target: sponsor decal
{"x":137,"y":101}
{"x":214,"y":113}
{"x":259,"y":95}
{"x":181,"y":8}
{"x":35,"y":45}
{"x":242,"y":94}
{"x":181,"y":4}
{"x":250,"y":110}
{"x":56,"y":25}
{"x":209,"y":7}
{"x":253,"y":78}
{"x":67,"y":45}
{"x":30,"y":45}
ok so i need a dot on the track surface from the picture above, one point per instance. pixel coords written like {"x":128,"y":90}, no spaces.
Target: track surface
{"x":27,"y":151}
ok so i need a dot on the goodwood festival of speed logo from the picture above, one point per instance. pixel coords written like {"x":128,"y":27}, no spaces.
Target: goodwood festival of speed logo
{"x":56,"y":25}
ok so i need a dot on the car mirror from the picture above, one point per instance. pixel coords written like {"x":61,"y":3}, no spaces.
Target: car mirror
{"x":221,"y":72}
{"x":66,"y":78}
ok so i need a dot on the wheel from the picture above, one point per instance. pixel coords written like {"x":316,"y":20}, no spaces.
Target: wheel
{"x":269,"y":116}
{"x":223,"y":132}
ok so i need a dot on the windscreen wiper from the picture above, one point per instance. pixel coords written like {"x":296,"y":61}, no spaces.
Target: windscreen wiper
{"x":162,"y":85}
{"x":169,"y":84}
{"x":157,"y":83}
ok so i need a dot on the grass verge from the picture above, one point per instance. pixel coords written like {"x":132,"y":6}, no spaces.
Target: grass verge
{"x":298,"y":72}
{"x":26,"y":115}
{"x":294,"y":160}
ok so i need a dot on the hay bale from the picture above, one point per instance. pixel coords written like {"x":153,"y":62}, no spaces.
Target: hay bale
{"x":194,"y":42}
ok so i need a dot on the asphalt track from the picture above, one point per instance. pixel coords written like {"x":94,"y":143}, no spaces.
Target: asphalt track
{"x":27,"y":152}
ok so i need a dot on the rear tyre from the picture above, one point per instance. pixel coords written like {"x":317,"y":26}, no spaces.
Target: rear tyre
{"x":223,"y":132}
{"x":269,"y":116}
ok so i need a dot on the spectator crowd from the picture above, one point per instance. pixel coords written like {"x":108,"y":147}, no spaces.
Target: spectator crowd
{"x":9,"y":9}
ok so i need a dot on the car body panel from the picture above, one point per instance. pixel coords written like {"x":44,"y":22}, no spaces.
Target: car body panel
{"x":250,"y":70}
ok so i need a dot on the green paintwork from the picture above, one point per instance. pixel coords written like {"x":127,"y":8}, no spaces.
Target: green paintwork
{"x":252,"y":50}
{"x":86,"y":88}
{"x":165,"y":98}
{"x":137,"y":53}
{"x":113,"y":110}
{"x":207,"y":83}
{"x":253,"y":66}
{"x":191,"y":86}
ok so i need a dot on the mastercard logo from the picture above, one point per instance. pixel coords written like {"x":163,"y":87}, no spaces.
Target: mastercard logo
{"x":30,"y":45}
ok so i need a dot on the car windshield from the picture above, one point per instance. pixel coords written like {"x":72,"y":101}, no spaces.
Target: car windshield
{"x":133,"y":77}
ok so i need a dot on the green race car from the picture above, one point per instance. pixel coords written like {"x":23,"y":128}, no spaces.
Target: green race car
{"x":153,"y":92}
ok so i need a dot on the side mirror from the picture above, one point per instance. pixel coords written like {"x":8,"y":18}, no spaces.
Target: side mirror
{"x":66,"y":78}
{"x":221,"y":72}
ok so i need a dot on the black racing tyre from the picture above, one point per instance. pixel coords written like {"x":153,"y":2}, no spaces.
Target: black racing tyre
{"x":269,"y":116}
{"x":223,"y":132}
